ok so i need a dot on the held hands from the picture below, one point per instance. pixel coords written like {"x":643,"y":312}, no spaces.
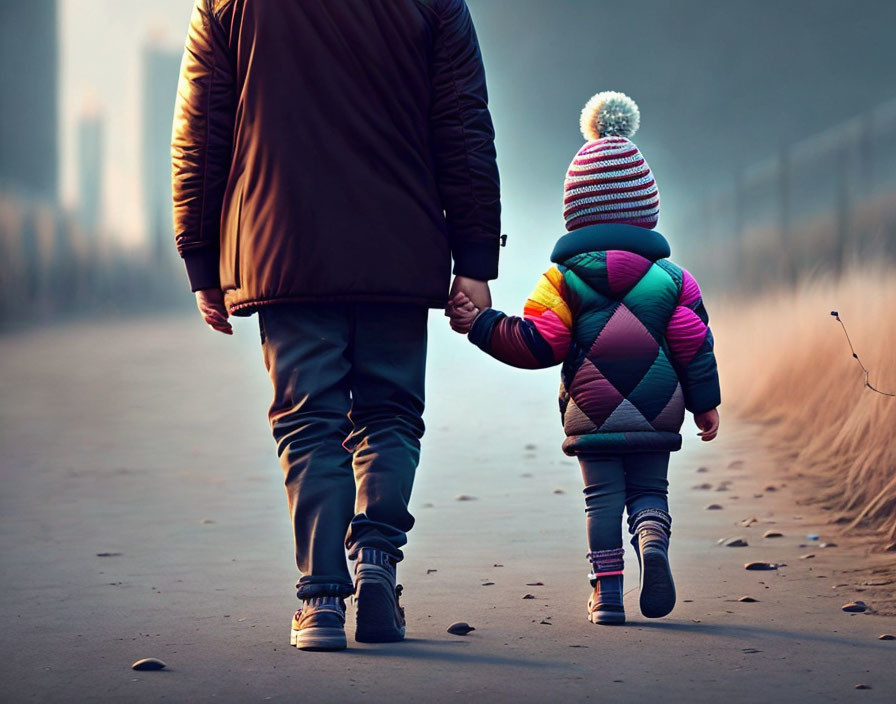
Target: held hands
{"x":210,"y":302}
{"x":477,"y":291}
{"x":708,"y":422}
{"x":461,"y":313}
{"x":467,"y":298}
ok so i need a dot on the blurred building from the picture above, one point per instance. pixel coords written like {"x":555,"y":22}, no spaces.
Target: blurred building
{"x":29,"y":58}
{"x":90,"y":170}
{"x":161,"y":69}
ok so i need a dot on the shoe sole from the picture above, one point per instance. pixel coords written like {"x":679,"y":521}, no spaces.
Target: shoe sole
{"x":657,"y":588}
{"x":375,"y":599}
{"x":318,"y":638}
{"x":606,"y":618}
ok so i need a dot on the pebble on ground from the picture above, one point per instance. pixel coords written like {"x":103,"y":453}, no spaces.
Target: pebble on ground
{"x":760,"y":566}
{"x":460,"y":628}
{"x":148,"y":664}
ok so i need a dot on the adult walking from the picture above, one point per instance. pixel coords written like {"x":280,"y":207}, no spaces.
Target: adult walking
{"x":329,"y":161}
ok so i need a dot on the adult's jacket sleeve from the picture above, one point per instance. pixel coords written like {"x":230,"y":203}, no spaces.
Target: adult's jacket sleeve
{"x":201,"y":145}
{"x":464,"y":144}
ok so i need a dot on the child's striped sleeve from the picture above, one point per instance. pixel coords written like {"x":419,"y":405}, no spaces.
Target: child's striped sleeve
{"x":539,"y":339}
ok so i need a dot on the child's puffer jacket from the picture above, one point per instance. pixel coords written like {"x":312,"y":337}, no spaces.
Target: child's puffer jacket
{"x":632,"y":333}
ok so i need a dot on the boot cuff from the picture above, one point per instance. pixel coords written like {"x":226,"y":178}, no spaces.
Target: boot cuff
{"x":655,"y":515}
{"x":606,"y":562}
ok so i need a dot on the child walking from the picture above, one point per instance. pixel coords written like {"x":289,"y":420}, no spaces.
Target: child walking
{"x":632,"y":333}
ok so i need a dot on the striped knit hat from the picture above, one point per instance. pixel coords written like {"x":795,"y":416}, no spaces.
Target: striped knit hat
{"x":609,"y":180}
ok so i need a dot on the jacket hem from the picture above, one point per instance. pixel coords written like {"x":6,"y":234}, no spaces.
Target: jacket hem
{"x":622,"y":443}
{"x":247,"y":308}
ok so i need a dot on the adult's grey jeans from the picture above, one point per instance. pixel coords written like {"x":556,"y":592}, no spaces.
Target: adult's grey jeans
{"x":347,"y":419}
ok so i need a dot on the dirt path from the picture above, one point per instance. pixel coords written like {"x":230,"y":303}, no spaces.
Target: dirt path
{"x":118,"y":441}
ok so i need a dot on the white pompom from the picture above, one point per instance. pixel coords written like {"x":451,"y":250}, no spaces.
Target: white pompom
{"x":610,"y":114}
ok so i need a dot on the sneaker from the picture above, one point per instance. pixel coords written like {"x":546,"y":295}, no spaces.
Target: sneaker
{"x":319,"y":624}
{"x":651,"y":542}
{"x":380,"y":618}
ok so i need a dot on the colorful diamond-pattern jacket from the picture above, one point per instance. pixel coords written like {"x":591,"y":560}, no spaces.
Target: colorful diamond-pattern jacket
{"x":631,"y":331}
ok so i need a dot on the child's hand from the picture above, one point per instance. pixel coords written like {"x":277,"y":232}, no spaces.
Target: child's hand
{"x":708,"y":422}
{"x":461,"y":313}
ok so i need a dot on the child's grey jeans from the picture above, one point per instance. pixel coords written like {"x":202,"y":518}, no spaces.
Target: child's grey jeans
{"x":615,"y":482}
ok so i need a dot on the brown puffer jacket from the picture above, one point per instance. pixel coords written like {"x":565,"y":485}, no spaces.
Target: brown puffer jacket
{"x":333,"y":151}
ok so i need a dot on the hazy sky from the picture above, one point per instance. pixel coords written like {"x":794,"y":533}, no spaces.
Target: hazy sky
{"x":100,"y":59}
{"x":721,"y":86}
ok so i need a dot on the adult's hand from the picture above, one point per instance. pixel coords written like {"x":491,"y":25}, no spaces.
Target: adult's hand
{"x":477,"y":291}
{"x":211,"y":305}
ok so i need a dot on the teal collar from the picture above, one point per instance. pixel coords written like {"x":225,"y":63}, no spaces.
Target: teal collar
{"x":598,"y":238}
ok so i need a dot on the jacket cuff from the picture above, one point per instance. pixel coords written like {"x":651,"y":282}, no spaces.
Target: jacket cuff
{"x":481,"y":332}
{"x":476,"y":259}
{"x":202,"y":268}
{"x":704,"y":396}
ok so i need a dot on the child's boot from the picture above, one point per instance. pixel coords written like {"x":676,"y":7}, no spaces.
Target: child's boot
{"x":605,"y":604}
{"x":650,"y":530}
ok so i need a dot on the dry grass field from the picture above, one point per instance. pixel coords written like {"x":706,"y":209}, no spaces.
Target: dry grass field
{"x":786,"y":365}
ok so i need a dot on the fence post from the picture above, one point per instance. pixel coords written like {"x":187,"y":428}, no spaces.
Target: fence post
{"x":742,"y":260}
{"x":787,"y":261}
{"x":866,"y":154}
{"x":870,"y":230}
{"x":841,"y":200}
